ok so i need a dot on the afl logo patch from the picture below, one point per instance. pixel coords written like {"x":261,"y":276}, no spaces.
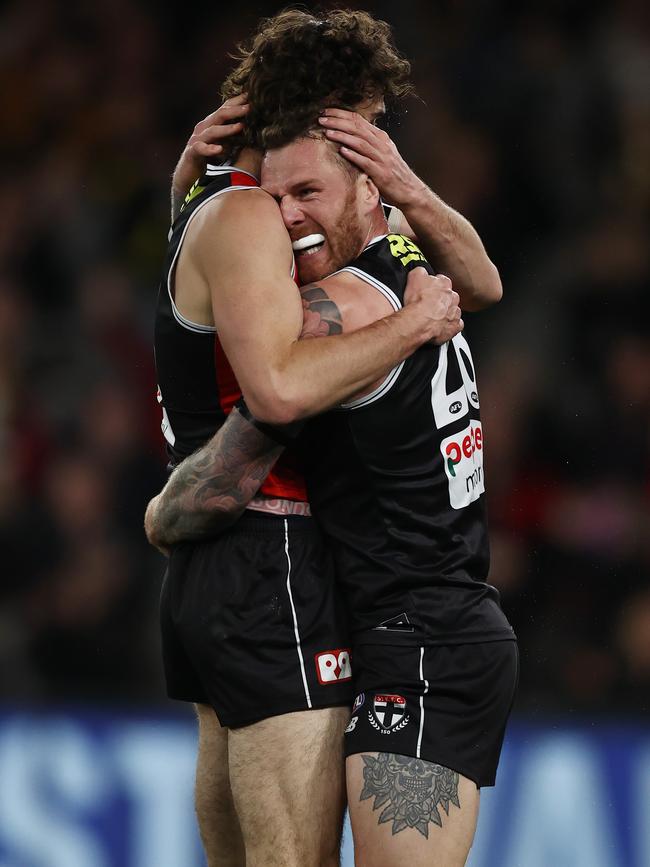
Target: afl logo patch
{"x":455,"y":407}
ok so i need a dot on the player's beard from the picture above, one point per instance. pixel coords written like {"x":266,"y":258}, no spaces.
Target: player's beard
{"x":345,"y":239}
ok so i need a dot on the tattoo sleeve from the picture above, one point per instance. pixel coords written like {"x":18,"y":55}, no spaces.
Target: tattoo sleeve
{"x":410,"y":790}
{"x":210,"y":489}
{"x":320,"y":314}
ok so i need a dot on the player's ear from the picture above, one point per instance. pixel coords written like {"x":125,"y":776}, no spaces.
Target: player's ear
{"x":370,"y":193}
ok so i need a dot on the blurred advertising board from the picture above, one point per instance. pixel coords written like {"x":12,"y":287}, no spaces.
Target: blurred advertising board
{"x":107,"y":789}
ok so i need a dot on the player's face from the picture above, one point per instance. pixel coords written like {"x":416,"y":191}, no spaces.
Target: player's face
{"x":321,"y":205}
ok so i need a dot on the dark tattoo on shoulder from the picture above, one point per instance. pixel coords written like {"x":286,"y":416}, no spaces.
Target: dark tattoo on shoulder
{"x":321,"y":315}
{"x":410,"y":790}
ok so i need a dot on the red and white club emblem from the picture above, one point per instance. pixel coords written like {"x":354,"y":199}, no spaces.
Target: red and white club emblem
{"x":333,"y":666}
{"x":389,"y":709}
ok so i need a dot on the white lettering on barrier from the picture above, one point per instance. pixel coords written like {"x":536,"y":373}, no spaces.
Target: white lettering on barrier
{"x":52,"y":782}
{"x":156,"y":765}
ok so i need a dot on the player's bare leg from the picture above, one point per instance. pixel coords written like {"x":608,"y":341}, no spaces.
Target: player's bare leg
{"x":407,"y":811}
{"x":288,"y":782}
{"x":215,"y":808}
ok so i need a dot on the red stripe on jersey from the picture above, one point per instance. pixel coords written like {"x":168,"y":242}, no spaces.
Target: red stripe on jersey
{"x":285,"y":481}
{"x":239,"y":179}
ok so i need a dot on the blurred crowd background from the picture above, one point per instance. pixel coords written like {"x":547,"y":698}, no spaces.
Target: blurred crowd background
{"x":533,"y":120}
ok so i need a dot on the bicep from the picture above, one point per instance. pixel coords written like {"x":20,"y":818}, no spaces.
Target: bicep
{"x":340,"y":305}
{"x":246,"y":261}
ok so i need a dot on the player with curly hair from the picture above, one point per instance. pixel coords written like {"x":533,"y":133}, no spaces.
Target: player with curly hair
{"x":252,"y":628}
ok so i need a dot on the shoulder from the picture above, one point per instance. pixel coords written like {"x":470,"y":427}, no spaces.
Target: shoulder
{"x":239,"y":208}
{"x":240,"y":221}
{"x":354,"y":302}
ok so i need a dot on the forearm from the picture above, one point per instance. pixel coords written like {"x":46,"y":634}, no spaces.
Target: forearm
{"x":320,"y":374}
{"x":177,"y":199}
{"x":448,"y":239}
{"x":454,"y":248}
{"x":210,"y":489}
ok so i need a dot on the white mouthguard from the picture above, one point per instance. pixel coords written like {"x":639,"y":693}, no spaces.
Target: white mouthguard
{"x":307,"y":241}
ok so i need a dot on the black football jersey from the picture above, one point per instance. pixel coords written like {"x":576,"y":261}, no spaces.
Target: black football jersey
{"x":396,"y":480}
{"x":196,"y":385}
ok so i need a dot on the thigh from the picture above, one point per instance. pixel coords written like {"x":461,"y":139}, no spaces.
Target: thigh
{"x":425,"y":734}
{"x":445,"y":704}
{"x":287,"y":778}
{"x":409,"y":811}
{"x":261,"y":621}
{"x":215,"y":809}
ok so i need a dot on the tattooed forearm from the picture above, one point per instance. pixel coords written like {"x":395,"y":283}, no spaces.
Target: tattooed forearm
{"x":410,"y":790}
{"x":320,"y":314}
{"x":210,"y":489}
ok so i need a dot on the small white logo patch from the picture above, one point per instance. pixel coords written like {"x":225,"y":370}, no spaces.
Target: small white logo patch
{"x":333,"y":666}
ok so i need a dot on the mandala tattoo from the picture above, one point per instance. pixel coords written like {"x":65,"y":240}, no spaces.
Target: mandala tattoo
{"x":411,"y":789}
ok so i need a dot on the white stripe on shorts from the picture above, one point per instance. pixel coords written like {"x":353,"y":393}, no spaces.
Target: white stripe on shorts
{"x":293,"y":611}
{"x":426,"y":690}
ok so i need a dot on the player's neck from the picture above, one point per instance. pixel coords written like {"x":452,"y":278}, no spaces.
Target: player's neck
{"x":377,"y":226}
{"x":249,"y":160}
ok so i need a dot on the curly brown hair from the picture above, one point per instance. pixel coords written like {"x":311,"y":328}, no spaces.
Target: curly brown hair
{"x":298,"y":63}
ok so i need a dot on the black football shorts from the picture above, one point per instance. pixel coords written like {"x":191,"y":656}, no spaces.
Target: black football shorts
{"x":446,"y":704}
{"x":252,"y":623}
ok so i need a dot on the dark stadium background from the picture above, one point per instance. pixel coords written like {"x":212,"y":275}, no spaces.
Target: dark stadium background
{"x":533,"y":119}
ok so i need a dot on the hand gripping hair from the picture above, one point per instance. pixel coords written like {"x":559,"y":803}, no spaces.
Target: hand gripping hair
{"x":297,"y":64}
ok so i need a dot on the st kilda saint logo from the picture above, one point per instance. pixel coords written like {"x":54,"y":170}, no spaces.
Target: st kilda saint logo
{"x":388,"y":714}
{"x":333,"y":666}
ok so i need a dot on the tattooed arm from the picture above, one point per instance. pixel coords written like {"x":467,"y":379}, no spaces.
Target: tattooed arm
{"x":210,"y":489}
{"x":320,"y":314}
{"x":258,"y":314}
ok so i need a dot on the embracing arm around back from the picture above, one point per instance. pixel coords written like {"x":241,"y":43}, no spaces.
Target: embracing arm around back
{"x":208,"y":491}
{"x":240,"y":249}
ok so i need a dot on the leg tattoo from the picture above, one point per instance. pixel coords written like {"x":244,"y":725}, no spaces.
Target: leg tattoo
{"x":412,"y":789}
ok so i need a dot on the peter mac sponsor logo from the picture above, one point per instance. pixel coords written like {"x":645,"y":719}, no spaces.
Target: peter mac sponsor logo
{"x":462,"y":454}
